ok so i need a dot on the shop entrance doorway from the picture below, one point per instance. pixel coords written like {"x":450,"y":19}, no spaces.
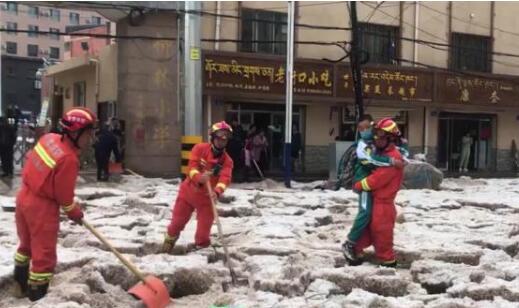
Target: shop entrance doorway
{"x":270,"y":119}
{"x":459,"y":133}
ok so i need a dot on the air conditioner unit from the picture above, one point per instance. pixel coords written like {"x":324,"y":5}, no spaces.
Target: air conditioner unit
{"x":87,"y":22}
{"x":3,"y":7}
{"x":3,"y":47}
{"x":44,"y":14}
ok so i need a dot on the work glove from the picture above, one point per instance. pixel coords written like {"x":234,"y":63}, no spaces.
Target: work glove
{"x":205,"y":177}
{"x":76,"y":214}
{"x":398,"y":163}
{"x":218,"y":191}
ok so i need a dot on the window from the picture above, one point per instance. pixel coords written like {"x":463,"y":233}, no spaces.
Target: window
{"x":32,"y":50}
{"x":96,"y":20}
{"x":270,"y":28}
{"x":11,"y":48}
{"x":55,"y":15}
{"x":54,"y":33}
{"x":10,"y":71}
{"x":379,"y":41}
{"x":54,"y":53}
{"x":74,"y":18}
{"x":11,"y":26}
{"x":33,"y":31}
{"x":470,"y":52}
{"x":80,"y":93}
{"x":34,"y":11}
{"x":12,"y":8}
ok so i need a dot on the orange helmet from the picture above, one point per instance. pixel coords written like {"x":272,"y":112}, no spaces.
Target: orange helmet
{"x":221,"y":126}
{"x":78,"y":118}
{"x":388,"y":126}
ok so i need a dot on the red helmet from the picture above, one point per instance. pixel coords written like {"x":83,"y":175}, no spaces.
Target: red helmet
{"x":221,"y":126}
{"x":78,"y":118}
{"x":388,"y":126}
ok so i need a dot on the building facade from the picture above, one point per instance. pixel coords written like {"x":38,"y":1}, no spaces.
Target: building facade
{"x":442,"y":70}
{"x":28,"y":49}
{"x":23,"y":16}
{"x":468,"y":85}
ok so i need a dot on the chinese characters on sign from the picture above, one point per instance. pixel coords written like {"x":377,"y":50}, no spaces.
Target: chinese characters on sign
{"x":385,"y":84}
{"x":254,"y":75}
{"x":226,"y":73}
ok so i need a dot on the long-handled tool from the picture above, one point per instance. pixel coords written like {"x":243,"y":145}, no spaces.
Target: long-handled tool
{"x":234,"y":278}
{"x":258,"y":168}
{"x":153,"y":292}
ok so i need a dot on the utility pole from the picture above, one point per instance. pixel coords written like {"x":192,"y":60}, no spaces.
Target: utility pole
{"x":192,"y":70}
{"x":356,"y":71}
{"x":289,"y":92}
{"x":192,"y":81}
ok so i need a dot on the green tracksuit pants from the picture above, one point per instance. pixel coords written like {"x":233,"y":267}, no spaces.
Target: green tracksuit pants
{"x":363,"y":216}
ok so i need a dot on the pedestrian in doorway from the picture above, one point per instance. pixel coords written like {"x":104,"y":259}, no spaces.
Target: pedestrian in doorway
{"x":247,"y":151}
{"x":105,"y":145}
{"x":466,"y":147}
{"x":259,"y":151}
{"x":296,"y":147}
{"x":7,"y":142}
{"x":235,"y":148}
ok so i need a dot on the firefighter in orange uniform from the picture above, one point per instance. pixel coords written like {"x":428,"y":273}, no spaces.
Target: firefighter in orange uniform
{"x":48,"y":182}
{"x":384,"y":183}
{"x":208,"y":162}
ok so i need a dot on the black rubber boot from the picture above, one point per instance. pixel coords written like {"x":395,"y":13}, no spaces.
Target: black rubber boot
{"x":21,"y":276}
{"x":37,"y":289}
{"x":392,"y":264}
{"x":169,"y":243}
{"x":348,"y":250}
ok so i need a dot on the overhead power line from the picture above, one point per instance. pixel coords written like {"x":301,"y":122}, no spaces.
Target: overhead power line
{"x":510,"y":79}
{"x":144,"y":37}
{"x":469,"y":22}
{"x":101,"y":5}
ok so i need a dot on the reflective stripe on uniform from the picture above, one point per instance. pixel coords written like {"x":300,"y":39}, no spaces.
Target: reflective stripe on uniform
{"x":21,"y":258}
{"x":45,"y":157}
{"x":221,"y":185}
{"x":193,"y":172}
{"x":69,"y":208}
{"x":364,"y":184}
{"x":40,"y":276}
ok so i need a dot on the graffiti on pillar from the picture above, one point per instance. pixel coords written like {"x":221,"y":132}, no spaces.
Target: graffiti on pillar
{"x":162,"y":135}
{"x":161,"y":78}
{"x":163,"y":48}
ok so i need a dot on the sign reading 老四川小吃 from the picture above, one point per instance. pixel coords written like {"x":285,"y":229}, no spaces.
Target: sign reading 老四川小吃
{"x":256,"y":75}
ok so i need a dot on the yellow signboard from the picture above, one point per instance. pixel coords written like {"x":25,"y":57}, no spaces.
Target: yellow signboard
{"x":195,"y":53}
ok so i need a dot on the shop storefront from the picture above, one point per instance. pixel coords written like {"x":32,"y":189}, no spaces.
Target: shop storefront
{"x":434,"y":110}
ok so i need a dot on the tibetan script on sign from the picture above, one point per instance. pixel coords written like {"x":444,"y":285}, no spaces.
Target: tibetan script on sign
{"x":379,"y":83}
{"x":232,"y":72}
{"x":477,"y":90}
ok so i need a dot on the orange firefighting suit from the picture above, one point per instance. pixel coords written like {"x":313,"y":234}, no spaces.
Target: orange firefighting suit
{"x":194,"y":196}
{"x":384,"y":184}
{"x":48,"y":182}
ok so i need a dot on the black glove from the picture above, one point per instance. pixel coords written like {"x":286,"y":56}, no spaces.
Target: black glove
{"x":216,"y":170}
